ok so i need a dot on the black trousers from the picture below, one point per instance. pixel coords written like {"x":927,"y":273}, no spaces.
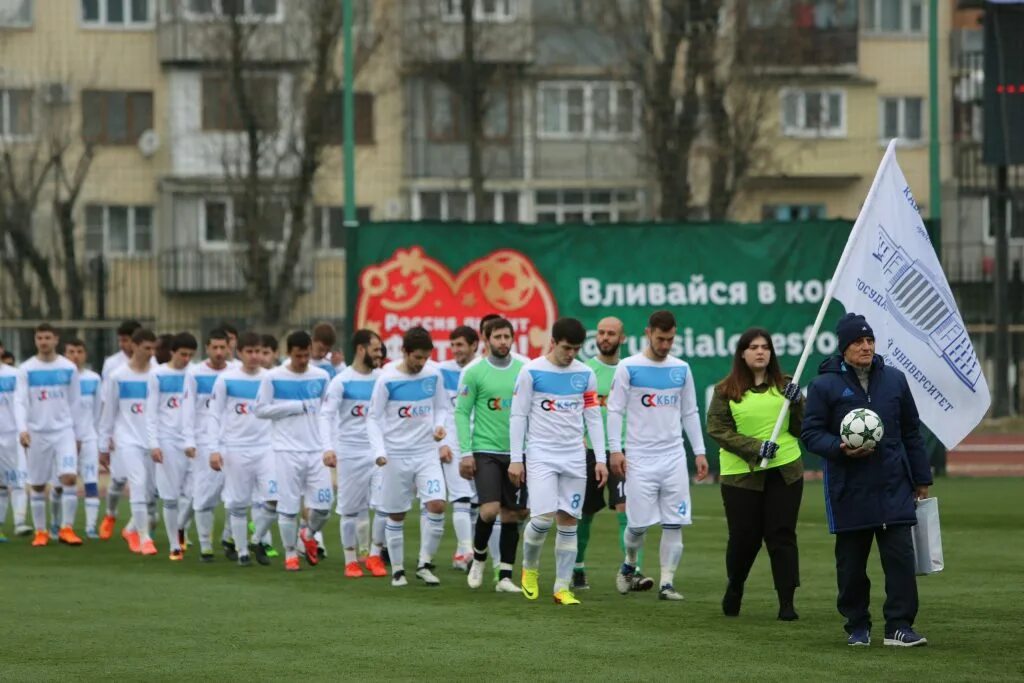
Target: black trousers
{"x":896,"y":548}
{"x":769,"y":516}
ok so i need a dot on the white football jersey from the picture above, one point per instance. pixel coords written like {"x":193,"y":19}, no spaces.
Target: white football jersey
{"x":52,"y":395}
{"x":232,"y":417}
{"x":345,"y":408}
{"x":405,"y":410}
{"x":129,"y":409}
{"x":292,"y":402}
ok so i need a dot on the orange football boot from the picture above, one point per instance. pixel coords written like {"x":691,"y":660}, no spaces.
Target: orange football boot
{"x":353,"y":570}
{"x":291,"y":564}
{"x":107,"y":527}
{"x":148,"y":547}
{"x":68,"y":536}
{"x":41,"y":538}
{"x":375,"y":565}
{"x":132,"y":537}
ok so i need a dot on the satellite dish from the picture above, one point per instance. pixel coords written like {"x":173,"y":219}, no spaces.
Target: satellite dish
{"x":149,"y":143}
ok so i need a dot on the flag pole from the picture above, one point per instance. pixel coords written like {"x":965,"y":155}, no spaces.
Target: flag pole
{"x":890,"y":151}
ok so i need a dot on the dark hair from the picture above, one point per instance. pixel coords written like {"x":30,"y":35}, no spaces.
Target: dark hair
{"x":184,"y":340}
{"x":249,"y":340}
{"x":325,"y":334}
{"x":486,"y":319}
{"x":740,"y":379}
{"x":663,"y":321}
{"x":127,"y":328}
{"x":74,"y":341}
{"x":362,"y":338}
{"x":143,"y":335}
{"x":464,"y":332}
{"x":298,"y":340}
{"x":45,"y":327}
{"x":569,"y":330}
{"x":217,"y":334}
{"x":495,"y":324}
{"x":417,"y":339}
{"x":6,"y":354}
{"x":269,"y":341}
{"x":228,"y":328}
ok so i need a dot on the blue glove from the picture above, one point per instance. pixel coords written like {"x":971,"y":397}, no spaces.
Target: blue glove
{"x":768,"y":450}
{"x":792,"y":392}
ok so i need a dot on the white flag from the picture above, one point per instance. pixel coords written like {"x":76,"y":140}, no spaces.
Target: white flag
{"x":894,"y":279}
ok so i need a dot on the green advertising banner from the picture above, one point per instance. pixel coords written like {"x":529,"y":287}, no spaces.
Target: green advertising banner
{"x":718,"y":280}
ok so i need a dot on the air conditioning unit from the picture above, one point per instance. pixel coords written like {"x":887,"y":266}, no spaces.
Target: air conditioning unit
{"x":56,"y":94}
{"x":149,"y":143}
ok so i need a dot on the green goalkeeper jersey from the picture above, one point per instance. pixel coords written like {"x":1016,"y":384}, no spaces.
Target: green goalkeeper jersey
{"x":483,"y":405}
{"x":604,"y":373}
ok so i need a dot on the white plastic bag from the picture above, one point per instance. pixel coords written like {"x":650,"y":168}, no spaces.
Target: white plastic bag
{"x":928,"y":537}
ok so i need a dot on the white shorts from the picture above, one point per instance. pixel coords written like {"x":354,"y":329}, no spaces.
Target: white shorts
{"x":403,"y":477}
{"x":248,"y":476}
{"x":207,"y":483}
{"x":355,"y":477}
{"x":50,"y":455}
{"x":89,"y":462}
{"x":657,"y":491}
{"x":556,"y":485}
{"x":188,"y":481}
{"x":457,"y":486}
{"x":170,"y":474}
{"x":10,"y":474}
{"x":376,"y":486}
{"x":138,"y":467}
{"x":302,"y":475}
{"x":117,"y":471}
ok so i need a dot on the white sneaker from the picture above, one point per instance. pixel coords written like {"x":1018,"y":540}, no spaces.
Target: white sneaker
{"x":23,"y":530}
{"x":506,"y":586}
{"x":461,"y":562}
{"x":623,"y":580}
{"x":424,"y":574}
{"x":398,"y":579}
{"x":475,"y":578}
{"x":667,"y":592}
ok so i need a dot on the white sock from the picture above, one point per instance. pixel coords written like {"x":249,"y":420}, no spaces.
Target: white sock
{"x":114,"y":492}
{"x":92,"y":511}
{"x":56,"y":494}
{"x":69,"y":506}
{"x":239,"y":530}
{"x":349,"y":534}
{"x":462,"y":520}
{"x":317,"y":519}
{"x":363,"y":532}
{"x":494,"y":542}
{"x":394,"y":534}
{"x":225,"y":534}
{"x":204,"y":526}
{"x":533,"y":541}
{"x":288,"y":526}
{"x":37,"y":502}
{"x":430,"y":536}
{"x":671,"y":552}
{"x":634,"y":540}
{"x":140,"y":519}
{"x":184,"y":512}
{"x":5,"y":497}
{"x":171,"y":523}
{"x":565,"y":555}
{"x":153,"y":514}
{"x":19,"y":505}
{"x":264,"y":517}
{"x":474,"y":513}
{"x":377,"y":539}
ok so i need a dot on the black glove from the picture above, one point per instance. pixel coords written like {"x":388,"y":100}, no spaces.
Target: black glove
{"x":792,"y":392}
{"x":768,"y":450}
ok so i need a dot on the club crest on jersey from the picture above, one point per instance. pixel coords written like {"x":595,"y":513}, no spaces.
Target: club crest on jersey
{"x":413,"y":411}
{"x":429,"y":385}
{"x":173,"y":403}
{"x":242,"y":409}
{"x":677,"y":375}
{"x":358,"y":410}
{"x":498,"y":404}
{"x":138,"y":408}
{"x":558,"y":406}
{"x":578,"y":382}
{"x":659,"y":400}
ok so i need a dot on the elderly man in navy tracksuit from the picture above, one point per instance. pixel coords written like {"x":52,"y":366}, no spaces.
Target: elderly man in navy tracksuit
{"x":869,"y":494}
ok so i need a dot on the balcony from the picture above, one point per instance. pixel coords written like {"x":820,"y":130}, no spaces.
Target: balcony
{"x":195,"y":271}
{"x":184,"y":37}
{"x":798,"y":35}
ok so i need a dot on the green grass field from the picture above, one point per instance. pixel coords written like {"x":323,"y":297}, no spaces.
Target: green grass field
{"x":99,"y":612}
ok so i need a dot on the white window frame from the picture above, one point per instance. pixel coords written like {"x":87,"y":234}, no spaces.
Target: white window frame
{"x":129,"y":24}
{"x":499,"y":204}
{"x":247,"y":16}
{"x":5,"y":117}
{"x":588,"y":132}
{"x":451,"y":11}
{"x":614,"y":208}
{"x":21,"y":24}
{"x":230,"y":222}
{"x":802,"y":131}
{"x":904,"y":30}
{"x":901,"y":121}
{"x":132,"y":222}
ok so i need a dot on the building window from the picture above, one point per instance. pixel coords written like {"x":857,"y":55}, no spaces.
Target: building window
{"x":458,"y":205}
{"x":222,"y":222}
{"x":483,"y":10}
{"x":220,"y":106}
{"x":17,"y":113}
{"x":445,"y":114}
{"x":117,"y":13}
{"x":333,"y":120}
{"x":16,"y":13}
{"x":576,"y":109}
{"x":586,"y":206}
{"x":793,"y":212}
{"x":246,"y":10}
{"x":901,"y":118}
{"x":118,"y":229}
{"x":814,"y":113}
{"x":112,"y":117}
{"x":329,"y":225}
{"x":1014,"y":220}
{"x":894,"y":16}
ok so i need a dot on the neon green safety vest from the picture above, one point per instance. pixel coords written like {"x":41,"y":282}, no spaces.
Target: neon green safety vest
{"x":755,"y":417}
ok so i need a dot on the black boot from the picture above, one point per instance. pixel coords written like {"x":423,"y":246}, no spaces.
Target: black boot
{"x":732,"y":599}
{"x":786,"y":611}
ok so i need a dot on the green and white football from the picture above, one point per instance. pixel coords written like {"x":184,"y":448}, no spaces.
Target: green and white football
{"x":861,"y":428}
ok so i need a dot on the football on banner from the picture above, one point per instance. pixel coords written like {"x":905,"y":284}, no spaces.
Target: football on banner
{"x":861,"y":428}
